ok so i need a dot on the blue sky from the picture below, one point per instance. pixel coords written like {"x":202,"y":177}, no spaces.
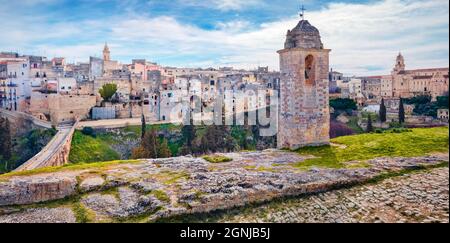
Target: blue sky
{"x":365,"y":35}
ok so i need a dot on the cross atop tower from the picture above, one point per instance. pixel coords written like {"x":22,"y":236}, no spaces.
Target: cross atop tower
{"x":302,"y":13}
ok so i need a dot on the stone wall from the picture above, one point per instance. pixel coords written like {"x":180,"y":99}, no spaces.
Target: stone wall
{"x":62,"y":108}
{"x":304,"y":107}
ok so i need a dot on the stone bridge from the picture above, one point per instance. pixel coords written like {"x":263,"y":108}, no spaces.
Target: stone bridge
{"x":56,"y":153}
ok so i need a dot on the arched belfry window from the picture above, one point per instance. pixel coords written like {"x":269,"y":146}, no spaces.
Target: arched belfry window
{"x":310,"y":70}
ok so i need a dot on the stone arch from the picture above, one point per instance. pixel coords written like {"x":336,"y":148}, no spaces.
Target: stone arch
{"x":310,"y":70}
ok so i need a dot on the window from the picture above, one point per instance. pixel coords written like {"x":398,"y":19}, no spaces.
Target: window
{"x":309,"y":71}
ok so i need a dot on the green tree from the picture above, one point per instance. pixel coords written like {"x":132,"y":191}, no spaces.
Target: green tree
{"x":189,"y":133}
{"x":343,"y":104}
{"x":143,"y":126}
{"x":163,"y":149}
{"x":401,"y":112}
{"x":383,"y":111}
{"x":107,"y":91}
{"x":369,"y":124}
{"x":148,"y":148}
{"x":442,"y":102}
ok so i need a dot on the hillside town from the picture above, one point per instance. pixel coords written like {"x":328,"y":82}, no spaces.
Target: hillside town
{"x":59,"y":92}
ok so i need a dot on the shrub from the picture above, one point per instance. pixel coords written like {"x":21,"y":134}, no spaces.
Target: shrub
{"x":88,"y":131}
{"x":395,"y":125}
{"x":344,"y":104}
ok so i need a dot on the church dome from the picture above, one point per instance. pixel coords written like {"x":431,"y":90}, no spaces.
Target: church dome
{"x":304,"y":35}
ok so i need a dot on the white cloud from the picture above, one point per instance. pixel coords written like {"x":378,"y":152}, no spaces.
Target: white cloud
{"x":364,"y":38}
{"x":223,"y":5}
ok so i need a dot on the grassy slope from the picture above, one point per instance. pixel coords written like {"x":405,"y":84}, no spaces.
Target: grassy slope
{"x":364,"y":147}
{"x":90,"y":149}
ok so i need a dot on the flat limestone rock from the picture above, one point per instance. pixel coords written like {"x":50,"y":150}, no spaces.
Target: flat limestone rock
{"x":123,"y":203}
{"x":41,"y":215}
{"x":91,"y":183}
{"x":33,"y":189}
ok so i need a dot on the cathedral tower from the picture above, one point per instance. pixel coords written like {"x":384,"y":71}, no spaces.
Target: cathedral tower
{"x":399,"y":64}
{"x":106,"y":53}
{"x":304,"y":118}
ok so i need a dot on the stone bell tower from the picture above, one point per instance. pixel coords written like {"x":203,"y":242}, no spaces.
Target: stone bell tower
{"x":106,"y":53}
{"x":304,"y":118}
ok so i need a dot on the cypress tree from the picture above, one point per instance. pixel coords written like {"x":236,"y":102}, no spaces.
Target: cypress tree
{"x":382,"y":111}
{"x":369,"y":124}
{"x":143,"y":126}
{"x":401,"y":112}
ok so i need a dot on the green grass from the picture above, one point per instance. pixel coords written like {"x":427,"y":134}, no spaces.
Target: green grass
{"x":363,"y":147}
{"x":82,"y":214}
{"x":170,"y":177}
{"x":215,"y":159}
{"x":160,"y":195}
{"x":89,"y":149}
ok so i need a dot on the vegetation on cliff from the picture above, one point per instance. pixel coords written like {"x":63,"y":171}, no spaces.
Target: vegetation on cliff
{"x":14,"y":151}
{"x":164,"y":140}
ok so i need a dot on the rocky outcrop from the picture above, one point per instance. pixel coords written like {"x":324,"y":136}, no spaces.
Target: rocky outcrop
{"x":153,"y":189}
{"x":34,"y":189}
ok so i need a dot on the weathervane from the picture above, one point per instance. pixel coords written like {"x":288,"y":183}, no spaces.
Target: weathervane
{"x":302,"y":14}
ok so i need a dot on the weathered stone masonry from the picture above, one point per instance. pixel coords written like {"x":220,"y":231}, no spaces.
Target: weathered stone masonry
{"x":304,"y":107}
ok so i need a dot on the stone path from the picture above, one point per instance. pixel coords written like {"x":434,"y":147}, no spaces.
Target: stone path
{"x":419,"y":197}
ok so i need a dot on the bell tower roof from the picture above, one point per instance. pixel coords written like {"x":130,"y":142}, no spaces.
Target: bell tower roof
{"x":106,"y":48}
{"x":304,"y":35}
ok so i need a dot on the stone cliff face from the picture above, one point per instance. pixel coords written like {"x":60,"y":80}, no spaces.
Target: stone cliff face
{"x":147,"y":190}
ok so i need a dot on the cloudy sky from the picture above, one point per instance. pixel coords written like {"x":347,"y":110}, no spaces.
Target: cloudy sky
{"x":365,"y":35}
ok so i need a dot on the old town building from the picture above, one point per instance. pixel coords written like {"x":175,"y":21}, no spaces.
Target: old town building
{"x":409,"y":83}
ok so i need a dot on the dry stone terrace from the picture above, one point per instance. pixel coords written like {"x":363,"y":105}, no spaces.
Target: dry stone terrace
{"x":148,"y":190}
